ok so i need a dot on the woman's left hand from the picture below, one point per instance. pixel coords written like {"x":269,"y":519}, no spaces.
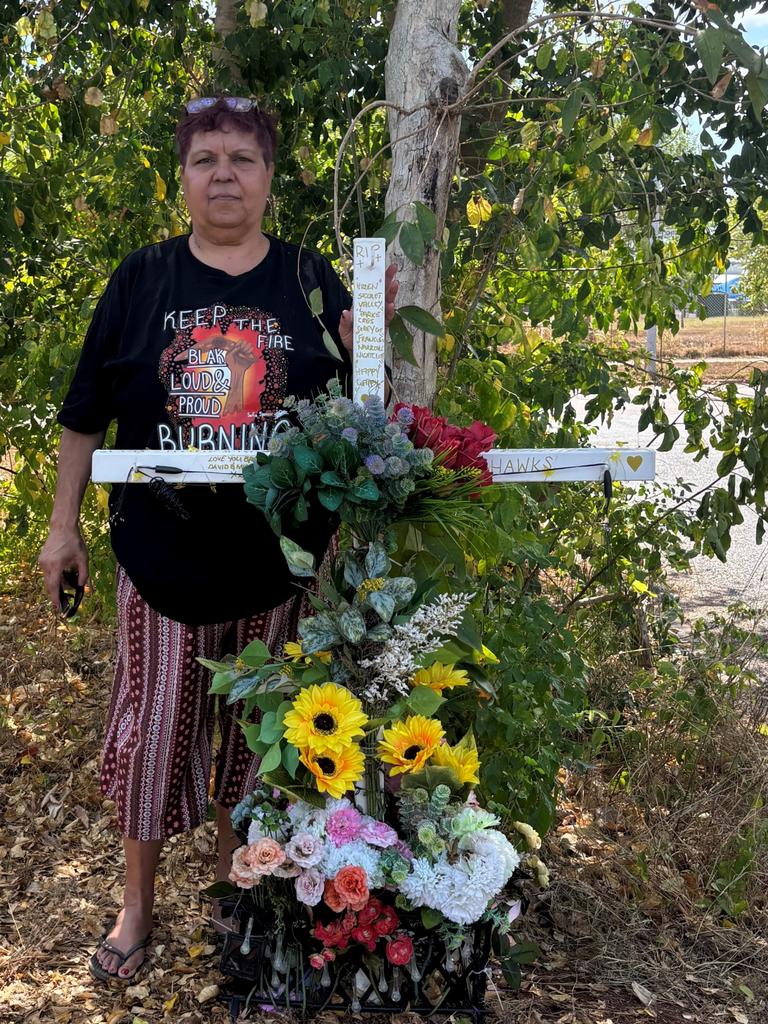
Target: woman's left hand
{"x":391,"y":285}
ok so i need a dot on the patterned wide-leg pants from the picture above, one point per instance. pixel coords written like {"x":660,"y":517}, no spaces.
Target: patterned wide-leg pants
{"x":156,"y":760}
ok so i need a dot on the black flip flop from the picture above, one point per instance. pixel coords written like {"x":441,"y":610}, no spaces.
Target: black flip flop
{"x":98,"y":972}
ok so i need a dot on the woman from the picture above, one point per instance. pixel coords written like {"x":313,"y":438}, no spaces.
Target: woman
{"x":196,"y":341}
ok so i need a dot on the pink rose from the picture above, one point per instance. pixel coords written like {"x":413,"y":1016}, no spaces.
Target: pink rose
{"x":343,"y":826}
{"x":399,"y":950}
{"x":305,"y":849}
{"x":310,"y":886}
{"x":242,"y":873}
{"x":378,"y":833}
{"x":317,"y":961}
{"x":264,"y":856}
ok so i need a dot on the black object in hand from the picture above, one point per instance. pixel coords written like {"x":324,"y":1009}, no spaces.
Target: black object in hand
{"x":69,"y":603}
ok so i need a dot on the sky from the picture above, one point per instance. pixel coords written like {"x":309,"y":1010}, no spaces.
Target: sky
{"x":756,"y":26}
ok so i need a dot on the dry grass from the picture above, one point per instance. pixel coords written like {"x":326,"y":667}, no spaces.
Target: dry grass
{"x":624,"y":906}
{"x":713,"y":338}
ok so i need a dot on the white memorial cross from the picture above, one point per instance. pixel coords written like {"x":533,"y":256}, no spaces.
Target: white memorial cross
{"x":516,"y":465}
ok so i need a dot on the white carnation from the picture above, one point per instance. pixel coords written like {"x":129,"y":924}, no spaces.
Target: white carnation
{"x":355,"y":854}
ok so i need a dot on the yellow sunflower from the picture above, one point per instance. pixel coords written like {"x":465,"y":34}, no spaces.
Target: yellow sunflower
{"x":324,"y":718}
{"x":440,"y":677}
{"x":335,"y":771}
{"x":295,"y":652}
{"x":409,"y":745}
{"x":461,"y":758}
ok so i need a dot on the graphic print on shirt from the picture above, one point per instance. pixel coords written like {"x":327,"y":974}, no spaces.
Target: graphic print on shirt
{"x":226,"y":374}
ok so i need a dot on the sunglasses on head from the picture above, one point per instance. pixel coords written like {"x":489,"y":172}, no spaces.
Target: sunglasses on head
{"x":240,"y":104}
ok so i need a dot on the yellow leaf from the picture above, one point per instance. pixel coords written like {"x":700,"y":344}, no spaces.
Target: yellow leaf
{"x":448,"y":342}
{"x":93,"y":97}
{"x":484,"y":207}
{"x":195,"y":951}
{"x":144,"y":4}
{"x":582,"y":172}
{"x":473,"y":213}
{"x":26,"y":759}
{"x":549,"y":211}
{"x":256,"y":11}
{"x":160,"y":187}
{"x":5,"y":139}
{"x":18,"y":217}
{"x":102,"y":498}
{"x":645,"y":138}
{"x":169,"y":1004}
{"x":145,"y":162}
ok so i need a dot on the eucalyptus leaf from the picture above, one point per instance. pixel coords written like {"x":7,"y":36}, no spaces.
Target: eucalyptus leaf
{"x":420,"y":318}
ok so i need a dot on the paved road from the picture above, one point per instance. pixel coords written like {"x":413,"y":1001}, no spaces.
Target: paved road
{"x":710,"y":585}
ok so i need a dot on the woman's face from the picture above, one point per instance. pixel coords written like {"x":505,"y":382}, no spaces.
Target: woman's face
{"x":226,"y":182}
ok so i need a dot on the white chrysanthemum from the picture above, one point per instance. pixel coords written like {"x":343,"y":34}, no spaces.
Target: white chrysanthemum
{"x":306,"y":818}
{"x":418,"y":887}
{"x":333,"y":805}
{"x":255,"y":832}
{"x":494,"y":847}
{"x":355,"y":854}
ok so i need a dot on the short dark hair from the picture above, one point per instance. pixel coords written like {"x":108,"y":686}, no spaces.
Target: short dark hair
{"x":213,"y":118}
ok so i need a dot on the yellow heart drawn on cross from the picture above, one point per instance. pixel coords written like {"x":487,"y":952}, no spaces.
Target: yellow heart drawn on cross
{"x":635,"y":462}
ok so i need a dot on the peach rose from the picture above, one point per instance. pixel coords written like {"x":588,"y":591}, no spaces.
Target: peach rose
{"x":351,"y":885}
{"x":331,"y":898}
{"x":242,"y":873}
{"x":264,"y":856}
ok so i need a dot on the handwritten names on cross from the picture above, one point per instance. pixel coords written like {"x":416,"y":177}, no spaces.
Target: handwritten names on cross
{"x":369,"y":330}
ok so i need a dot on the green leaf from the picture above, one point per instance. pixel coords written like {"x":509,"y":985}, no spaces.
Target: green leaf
{"x":308,"y":459}
{"x":389,"y":228}
{"x":382,"y":604}
{"x":220,"y":890}
{"x":283,"y":472}
{"x":244,"y":687}
{"x":252,"y":735}
{"x":423,"y":700}
{"x":402,"y":342}
{"x":316,"y":301}
{"x":709,"y":44}
{"x":427,"y":222}
{"x":300,"y":562}
{"x":412,"y":243}
{"x":271,"y":759}
{"x":255,"y":653}
{"x":367,"y":491}
{"x":430,"y":918}
{"x":420,"y":318}
{"x":544,"y":56}
{"x":524,"y":953}
{"x":271,"y":729}
{"x":571,"y":110}
{"x":291,"y":759}
{"x":352,"y":625}
{"x":332,"y":347}
{"x":216,"y":666}
{"x":758,"y":94}
{"x":377,"y":561}
{"x":330,"y":499}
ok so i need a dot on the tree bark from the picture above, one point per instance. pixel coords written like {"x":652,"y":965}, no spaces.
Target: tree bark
{"x":423,"y":66}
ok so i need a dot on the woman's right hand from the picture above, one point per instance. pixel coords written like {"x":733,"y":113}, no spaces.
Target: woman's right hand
{"x":64,"y":549}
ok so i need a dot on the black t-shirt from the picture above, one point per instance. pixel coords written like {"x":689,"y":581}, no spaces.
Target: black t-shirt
{"x":184,"y":355}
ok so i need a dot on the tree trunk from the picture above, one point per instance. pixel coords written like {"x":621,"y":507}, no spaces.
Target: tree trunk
{"x":424,"y":66}
{"x":224,"y":25}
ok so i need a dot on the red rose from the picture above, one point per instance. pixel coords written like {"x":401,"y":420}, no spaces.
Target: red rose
{"x":366,"y":936}
{"x":399,"y":950}
{"x":387,"y":923}
{"x":370,"y":912}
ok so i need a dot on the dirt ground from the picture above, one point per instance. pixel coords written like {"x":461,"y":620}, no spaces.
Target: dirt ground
{"x":612,"y":950}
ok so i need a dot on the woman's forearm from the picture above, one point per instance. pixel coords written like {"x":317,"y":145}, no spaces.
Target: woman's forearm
{"x":74,"y":471}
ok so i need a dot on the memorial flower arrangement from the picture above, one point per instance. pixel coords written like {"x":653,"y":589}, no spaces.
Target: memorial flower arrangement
{"x":366,"y":825}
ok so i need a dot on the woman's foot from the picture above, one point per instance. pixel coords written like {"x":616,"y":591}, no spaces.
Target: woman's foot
{"x":132,"y":925}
